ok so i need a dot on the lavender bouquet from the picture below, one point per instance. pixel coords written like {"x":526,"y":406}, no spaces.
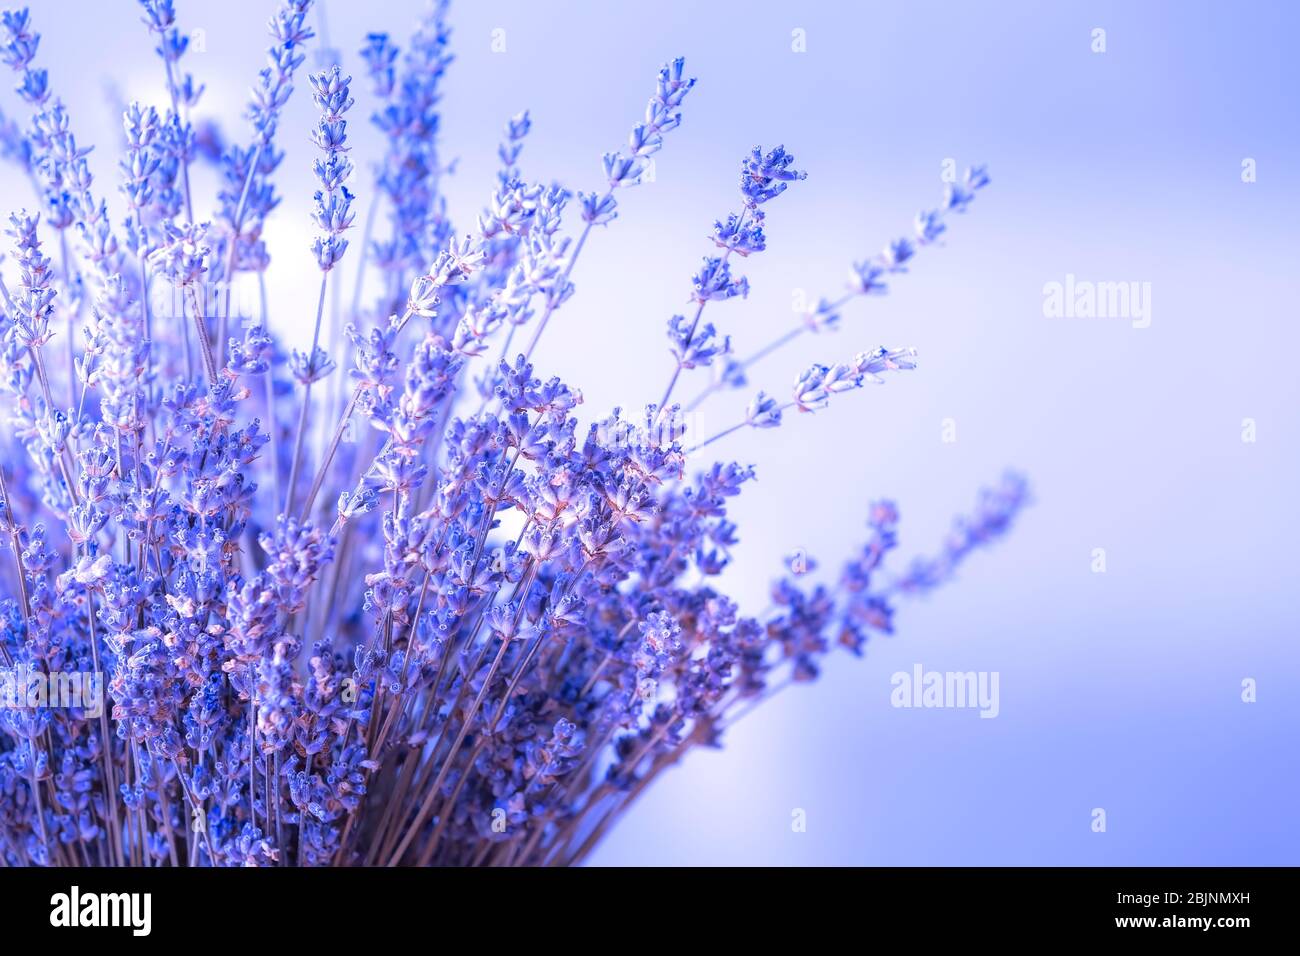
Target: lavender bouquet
{"x":258,"y":611}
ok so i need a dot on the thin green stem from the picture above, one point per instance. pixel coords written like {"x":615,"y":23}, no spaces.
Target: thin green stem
{"x":235,"y":226}
{"x":690,"y":334}
{"x":306,"y":402}
{"x":205,"y":347}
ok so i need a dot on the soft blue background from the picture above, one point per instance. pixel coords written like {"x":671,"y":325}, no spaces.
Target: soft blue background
{"x":1118,"y":690}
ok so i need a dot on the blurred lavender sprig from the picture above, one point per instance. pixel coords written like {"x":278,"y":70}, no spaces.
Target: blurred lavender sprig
{"x":448,"y":636}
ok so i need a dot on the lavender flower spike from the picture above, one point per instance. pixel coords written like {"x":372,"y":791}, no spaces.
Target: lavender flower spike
{"x":333,"y":216}
{"x":662,"y":115}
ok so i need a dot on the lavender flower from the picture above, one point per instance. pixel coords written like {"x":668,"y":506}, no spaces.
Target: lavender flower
{"x":178,"y":137}
{"x":248,"y":194}
{"x":333,"y":213}
{"x":468,"y":625}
